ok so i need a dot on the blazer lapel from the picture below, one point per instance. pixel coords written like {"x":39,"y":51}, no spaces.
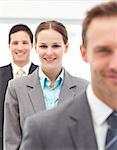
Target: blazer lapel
{"x":32,"y":68}
{"x":35,"y":92}
{"x":66,"y":92}
{"x":81,"y":126}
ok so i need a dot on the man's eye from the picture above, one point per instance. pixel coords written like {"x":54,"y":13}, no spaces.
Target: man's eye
{"x":15,"y":43}
{"x":105,"y":50}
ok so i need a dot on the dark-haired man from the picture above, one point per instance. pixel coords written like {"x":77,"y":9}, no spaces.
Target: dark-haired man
{"x":20,"y":44}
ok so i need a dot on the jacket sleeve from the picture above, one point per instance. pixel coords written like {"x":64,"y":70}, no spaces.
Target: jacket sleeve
{"x":31,"y":136}
{"x":12,"y":127}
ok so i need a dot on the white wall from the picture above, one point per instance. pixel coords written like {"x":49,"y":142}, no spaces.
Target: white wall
{"x":32,"y":12}
{"x":62,"y":9}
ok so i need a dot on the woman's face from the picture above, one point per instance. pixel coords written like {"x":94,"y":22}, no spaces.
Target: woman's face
{"x":50,"y":48}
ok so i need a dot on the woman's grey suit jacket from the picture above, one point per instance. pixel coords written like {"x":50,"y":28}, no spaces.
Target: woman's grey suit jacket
{"x":24,"y":98}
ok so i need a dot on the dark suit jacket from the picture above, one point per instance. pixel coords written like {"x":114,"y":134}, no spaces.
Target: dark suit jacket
{"x":5,"y":75}
{"x":67,"y":127}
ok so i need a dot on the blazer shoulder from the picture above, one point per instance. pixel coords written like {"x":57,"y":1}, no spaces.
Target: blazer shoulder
{"x":75,"y":80}
{"x":5,"y":67}
{"x":6,"y":73}
{"x":81,"y":80}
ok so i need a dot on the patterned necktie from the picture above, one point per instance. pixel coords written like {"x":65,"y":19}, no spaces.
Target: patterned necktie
{"x":111,"y":139}
{"x":20,"y":73}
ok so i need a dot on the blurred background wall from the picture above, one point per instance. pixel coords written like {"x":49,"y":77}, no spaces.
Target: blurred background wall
{"x":32,"y":12}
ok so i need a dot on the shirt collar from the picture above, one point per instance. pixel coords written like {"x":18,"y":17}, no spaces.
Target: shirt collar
{"x":100,"y":111}
{"x":16,"y":68}
{"x":44,"y":79}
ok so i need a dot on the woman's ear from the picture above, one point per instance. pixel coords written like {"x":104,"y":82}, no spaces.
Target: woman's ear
{"x":35,"y":46}
{"x":66,"y":47}
{"x":83,"y":51}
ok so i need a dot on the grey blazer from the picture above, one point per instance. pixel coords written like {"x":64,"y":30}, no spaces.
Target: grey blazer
{"x":68,"y":127}
{"x":6,"y":74}
{"x":24,"y":97}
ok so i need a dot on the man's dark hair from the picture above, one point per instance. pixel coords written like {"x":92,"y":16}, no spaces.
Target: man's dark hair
{"x":21,"y":27}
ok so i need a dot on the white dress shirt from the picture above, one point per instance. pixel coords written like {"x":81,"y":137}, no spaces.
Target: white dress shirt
{"x":100,"y":112}
{"x":16,"y":68}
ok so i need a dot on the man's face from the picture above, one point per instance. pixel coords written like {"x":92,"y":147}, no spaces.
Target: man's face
{"x":101,"y":53}
{"x":20,"y":46}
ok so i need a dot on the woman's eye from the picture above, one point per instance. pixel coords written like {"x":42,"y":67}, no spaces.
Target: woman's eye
{"x":25,"y":42}
{"x":43,"y":46}
{"x":56,"y":46}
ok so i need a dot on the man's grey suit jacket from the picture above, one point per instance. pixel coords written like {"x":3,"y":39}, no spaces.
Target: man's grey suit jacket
{"x":6,"y":74}
{"x":68,"y":127}
{"x":24,"y":97}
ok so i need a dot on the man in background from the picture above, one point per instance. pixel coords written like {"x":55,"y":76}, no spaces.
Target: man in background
{"x":88,"y":122}
{"x":20,"y":43}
